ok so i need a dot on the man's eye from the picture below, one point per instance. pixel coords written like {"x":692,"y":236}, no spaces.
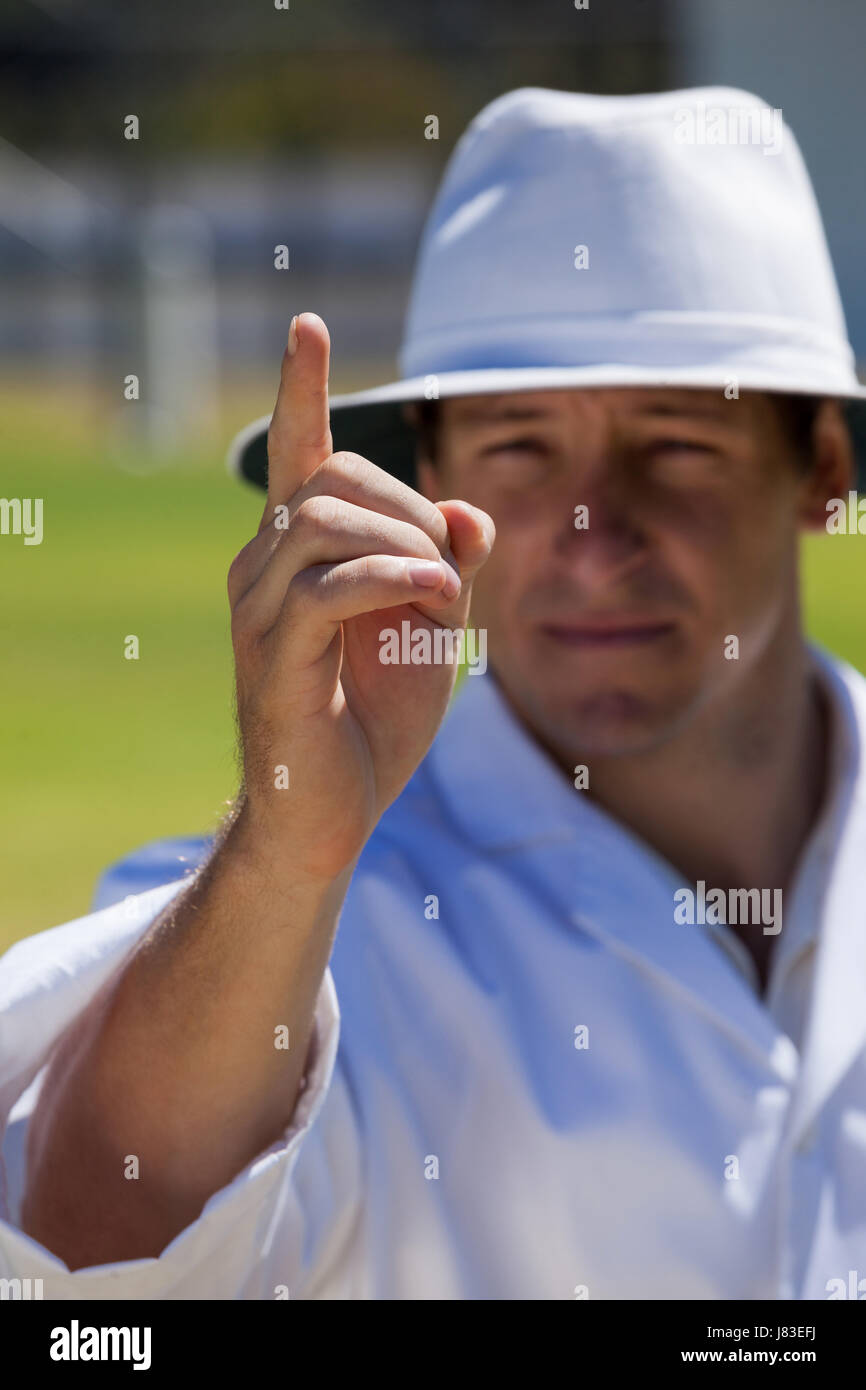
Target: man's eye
{"x":679,"y":446}
{"x":514,"y":446}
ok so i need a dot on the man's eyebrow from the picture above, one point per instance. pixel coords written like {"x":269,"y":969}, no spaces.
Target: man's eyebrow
{"x":481,"y":415}
{"x":704,"y":410}
{"x":491,"y":415}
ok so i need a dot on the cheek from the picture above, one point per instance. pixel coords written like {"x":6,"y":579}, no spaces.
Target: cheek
{"x":727,"y":549}
{"x":696,"y":520}
{"x":498,"y":584}
{"x":697,"y":545}
{"x":522,"y":536}
{"x":513,"y":565}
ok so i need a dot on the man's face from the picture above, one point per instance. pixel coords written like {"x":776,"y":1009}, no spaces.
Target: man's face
{"x":611,"y":637}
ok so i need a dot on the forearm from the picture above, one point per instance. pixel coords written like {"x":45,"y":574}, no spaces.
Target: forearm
{"x":180,"y":1064}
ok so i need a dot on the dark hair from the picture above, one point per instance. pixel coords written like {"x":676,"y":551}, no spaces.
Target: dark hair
{"x":426,"y":424}
{"x":796,"y":412}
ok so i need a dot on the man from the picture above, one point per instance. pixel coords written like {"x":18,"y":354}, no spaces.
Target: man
{"x":601,"y":961}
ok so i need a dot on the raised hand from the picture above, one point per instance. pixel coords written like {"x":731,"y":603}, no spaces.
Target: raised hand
{"x":343,"y":552}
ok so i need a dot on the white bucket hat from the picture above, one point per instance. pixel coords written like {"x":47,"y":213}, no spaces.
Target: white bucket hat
{"x":670,"y":239}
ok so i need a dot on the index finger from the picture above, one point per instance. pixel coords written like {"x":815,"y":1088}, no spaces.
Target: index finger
{"x":299,"y":436}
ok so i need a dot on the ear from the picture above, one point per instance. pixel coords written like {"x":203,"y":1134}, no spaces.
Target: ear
{"x":833,"y":470}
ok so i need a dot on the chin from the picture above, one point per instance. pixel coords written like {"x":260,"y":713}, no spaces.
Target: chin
{"x":602,"y":704}
{"x":613,"y":723}
{"x":609,"y":721}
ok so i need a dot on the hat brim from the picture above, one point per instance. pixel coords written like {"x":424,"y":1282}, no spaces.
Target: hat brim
{"x":373,"y":422}
{"x":376,"y":430}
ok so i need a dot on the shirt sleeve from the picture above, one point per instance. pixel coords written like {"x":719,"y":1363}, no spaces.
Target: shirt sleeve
{"x":235,"y":1248}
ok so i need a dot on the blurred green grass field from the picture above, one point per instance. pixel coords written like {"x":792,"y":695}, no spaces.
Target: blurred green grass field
{"x":99,"y":754}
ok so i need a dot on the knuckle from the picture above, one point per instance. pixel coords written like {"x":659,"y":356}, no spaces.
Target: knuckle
{"x":276,"y":438}
{"x":318,"y":515}
{"x":363,"y":571}
{"x":350,"y":466}
{"x":234,"y":574}
{"x":236,"y":577}
{"x":318,"y":440}
{"x":301,"y":592}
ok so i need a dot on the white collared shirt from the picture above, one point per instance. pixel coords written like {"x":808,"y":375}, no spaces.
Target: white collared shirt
{"x":537,"y":1085}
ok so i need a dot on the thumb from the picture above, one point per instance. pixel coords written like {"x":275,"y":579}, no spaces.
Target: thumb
{"x":472,"y":534}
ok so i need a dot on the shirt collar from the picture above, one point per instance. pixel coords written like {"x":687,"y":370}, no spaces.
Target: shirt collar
{"x":803,"y":900}
{"x":844,"y":785}
{"x":500,"y":785}
{"x":503,"y":788}
{"x":503,"y":791}
{"x":836,"y":1026}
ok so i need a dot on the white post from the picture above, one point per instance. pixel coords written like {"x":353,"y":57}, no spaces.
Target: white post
{"x":180,"y":387}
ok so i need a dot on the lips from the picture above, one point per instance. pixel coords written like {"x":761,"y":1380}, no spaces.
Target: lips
{"x":606,"y":633}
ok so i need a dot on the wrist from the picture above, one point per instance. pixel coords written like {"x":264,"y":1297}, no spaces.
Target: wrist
{"x":265,"y":855}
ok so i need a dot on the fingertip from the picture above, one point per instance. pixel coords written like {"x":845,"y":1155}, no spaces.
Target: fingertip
{"x":309,"y":331}
{"x":483,"y":520}
{"x":468,"y":525}
{"x":313,"y":323}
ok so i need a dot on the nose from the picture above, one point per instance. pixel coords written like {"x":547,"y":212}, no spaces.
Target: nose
{"x":601,"y":541}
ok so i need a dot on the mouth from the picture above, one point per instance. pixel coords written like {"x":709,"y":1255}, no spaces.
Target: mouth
{"x":606,"y":633}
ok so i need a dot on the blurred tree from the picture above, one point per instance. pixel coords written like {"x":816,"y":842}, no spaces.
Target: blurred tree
{"x":226,"y":76}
